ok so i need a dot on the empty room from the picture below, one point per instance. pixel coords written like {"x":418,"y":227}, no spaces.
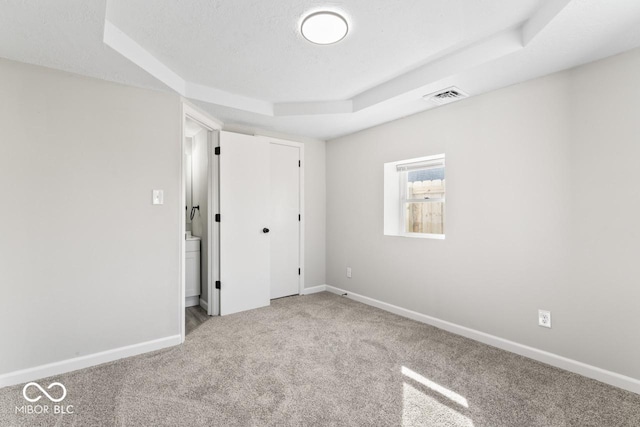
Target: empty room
{"x":320,"y":213}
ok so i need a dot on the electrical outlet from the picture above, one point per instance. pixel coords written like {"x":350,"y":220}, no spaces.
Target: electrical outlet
{"x":544,"y":318}
{"x":349,"y":272}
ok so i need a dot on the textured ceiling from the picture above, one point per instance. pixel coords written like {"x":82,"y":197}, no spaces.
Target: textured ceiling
{"x":66,"y":35}
{"x":245,"y":63}
{"x":254,"y":48}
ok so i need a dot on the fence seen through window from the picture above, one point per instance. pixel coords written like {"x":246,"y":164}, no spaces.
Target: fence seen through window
{"x":423,"y":197}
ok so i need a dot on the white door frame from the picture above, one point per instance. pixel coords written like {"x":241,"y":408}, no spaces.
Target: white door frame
{"x":300,"y":146}
{"x":193,"y":113}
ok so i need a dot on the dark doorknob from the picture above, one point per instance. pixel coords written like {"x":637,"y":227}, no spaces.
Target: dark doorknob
{"x":265,"y":230}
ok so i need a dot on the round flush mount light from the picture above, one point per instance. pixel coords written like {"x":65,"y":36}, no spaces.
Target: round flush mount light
{"x":324,"y":27}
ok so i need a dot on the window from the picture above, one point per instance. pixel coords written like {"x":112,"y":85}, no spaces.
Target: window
{"x":418,"y":198}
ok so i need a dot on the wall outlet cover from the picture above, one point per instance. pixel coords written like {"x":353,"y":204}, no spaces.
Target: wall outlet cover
{"x":544,"y":318}
{"x":349,"y":272}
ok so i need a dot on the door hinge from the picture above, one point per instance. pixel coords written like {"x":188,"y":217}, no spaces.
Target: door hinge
{"x":298,"y":272}
{"x":217,"y":217}
{"x":217,"y":284}
{"x":216,"y":151}
{"x":299,"y":163}
{"x":299,"y":217}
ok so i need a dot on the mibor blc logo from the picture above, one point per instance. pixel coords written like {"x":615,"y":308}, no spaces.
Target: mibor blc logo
{"x":56,"y":394}
{"x":39,"y":387}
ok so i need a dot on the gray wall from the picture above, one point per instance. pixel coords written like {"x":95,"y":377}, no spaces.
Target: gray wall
{"x":542,"y":212}
{"x":87,"y":263}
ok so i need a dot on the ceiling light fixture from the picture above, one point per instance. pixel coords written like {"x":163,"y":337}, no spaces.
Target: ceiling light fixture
{"x":324,"y":27}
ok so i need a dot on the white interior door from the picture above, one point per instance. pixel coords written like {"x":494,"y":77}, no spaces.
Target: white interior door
{"x":245,"y":184}
{"x":285,"y":220}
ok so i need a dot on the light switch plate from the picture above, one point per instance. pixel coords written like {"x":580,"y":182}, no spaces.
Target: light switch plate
{"x":158,"y":197}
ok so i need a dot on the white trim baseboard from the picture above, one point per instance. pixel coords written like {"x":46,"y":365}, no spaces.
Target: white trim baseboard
{"x":64,"y":366}
{"x":599,"y":374}
{"x":314,"y":290}
{"x":191,"y":301}
{"x":204,"y":305}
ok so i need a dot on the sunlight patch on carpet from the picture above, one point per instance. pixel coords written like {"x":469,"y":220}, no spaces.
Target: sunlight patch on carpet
{"x":420,"y":409}
{"x":451,"y":395}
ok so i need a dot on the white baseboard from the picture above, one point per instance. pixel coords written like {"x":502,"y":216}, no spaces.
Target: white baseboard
{"x":64,"y":366}
{"x":191,"y":301}
{"x":204,"y":305}
{"x":314,"y":290}
{"x":607,"y":377}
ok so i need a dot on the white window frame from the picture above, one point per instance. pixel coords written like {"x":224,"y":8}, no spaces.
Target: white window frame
{"x":403,"y":176}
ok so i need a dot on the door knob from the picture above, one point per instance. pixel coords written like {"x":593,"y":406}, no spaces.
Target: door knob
{"x":265,"y":230}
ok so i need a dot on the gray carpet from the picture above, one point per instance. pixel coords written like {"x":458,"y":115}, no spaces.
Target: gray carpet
{"x":326,"y":360}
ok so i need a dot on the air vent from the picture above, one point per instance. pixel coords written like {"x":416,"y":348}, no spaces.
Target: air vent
{"x":446,"y":96}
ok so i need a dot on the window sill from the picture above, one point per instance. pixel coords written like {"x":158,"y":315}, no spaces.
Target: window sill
{"x":423,"y":236}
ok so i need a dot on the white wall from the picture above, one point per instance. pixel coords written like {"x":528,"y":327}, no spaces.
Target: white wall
{"x":87,"y":263}
{"x":542,"y":212}
{"x":187,"y":169}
